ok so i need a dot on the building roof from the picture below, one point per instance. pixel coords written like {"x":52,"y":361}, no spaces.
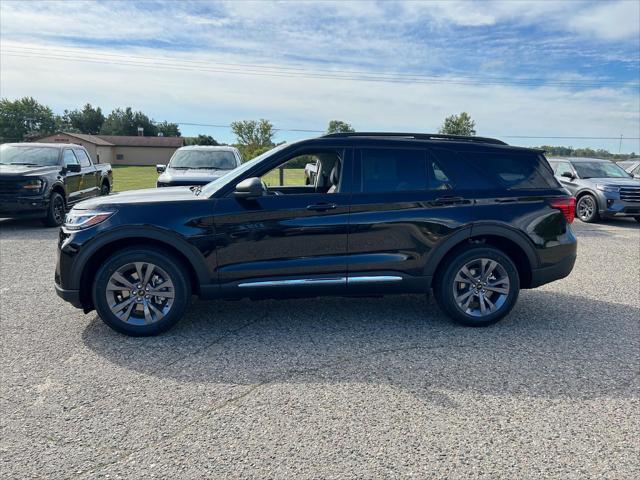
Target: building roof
{"x":128,"y":141}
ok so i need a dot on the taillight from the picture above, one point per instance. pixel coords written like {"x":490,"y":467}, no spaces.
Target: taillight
{"x":567,"y":205}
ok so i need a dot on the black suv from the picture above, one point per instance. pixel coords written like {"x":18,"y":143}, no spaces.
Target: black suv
{"x":472,"y":218}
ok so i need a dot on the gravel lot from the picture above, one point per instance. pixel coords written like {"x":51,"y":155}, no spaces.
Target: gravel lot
{"x":326,"y":388}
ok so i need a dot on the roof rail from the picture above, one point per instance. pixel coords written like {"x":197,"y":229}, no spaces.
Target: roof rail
{"x":417,"y":136}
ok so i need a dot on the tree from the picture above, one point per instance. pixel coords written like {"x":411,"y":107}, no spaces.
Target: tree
{"x":168,"y":129}
{"x":25,"y":119}
{"x":458,"y":125}
{"x":255,"y":133}
{"x":202,"y":140}
{"x":338,"y":126}
{"x":126,"y":122}
{"x":88,"y":120}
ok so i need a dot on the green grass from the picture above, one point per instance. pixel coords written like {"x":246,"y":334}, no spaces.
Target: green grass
{"x":127,"y":177}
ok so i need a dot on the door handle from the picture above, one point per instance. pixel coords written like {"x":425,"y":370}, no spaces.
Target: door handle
{"x":321,"y":207}
{"x":448,"y":200}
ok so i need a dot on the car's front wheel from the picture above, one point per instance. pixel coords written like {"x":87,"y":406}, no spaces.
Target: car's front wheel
{"x":587,"y":209}
{"x":478,"y":286}
{"x":55,"y":211}
{"x":141,"y":292}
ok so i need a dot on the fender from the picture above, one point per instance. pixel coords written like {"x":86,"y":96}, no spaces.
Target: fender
{"x":510,"y":233}
{"x":444,"y":247}
{"x":193,"y":255}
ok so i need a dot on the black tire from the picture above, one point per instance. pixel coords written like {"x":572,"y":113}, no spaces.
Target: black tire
{"x":445,"y":285}
{"x":55,"y":211}
{"x":166,"y":265}
{"x":587,"y":209}
{"x":637,"y":219}
{"x":105,"y":188}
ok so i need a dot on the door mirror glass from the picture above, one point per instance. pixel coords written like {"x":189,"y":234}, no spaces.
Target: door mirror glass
{"x":567,"y":175}
{"x":74,"y":167}
{"x":161,"y":168}
{"x":250,"y":188}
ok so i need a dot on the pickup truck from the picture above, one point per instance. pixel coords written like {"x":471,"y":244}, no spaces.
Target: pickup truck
{"x":41,"y":180}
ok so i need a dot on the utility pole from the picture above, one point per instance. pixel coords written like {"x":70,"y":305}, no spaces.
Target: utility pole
{"x":620,"y":146}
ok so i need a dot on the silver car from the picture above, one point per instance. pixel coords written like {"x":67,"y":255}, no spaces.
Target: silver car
{"x":198,"y":165}
{"x":602,"y":188}
{"x":631,"y":166}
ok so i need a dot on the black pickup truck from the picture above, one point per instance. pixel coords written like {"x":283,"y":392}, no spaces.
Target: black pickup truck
{"x":40,"y":180}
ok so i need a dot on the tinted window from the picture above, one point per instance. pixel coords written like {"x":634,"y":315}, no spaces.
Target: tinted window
{"x":518,"y":170}
{"x":449,"y":170}
{"x":393,"y":170}
{"x":82,"y":157}
{"x":69,"y":158}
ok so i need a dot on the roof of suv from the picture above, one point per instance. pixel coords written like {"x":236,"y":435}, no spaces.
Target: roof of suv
{"x":464,"y":142}
{"x":579,"y":159}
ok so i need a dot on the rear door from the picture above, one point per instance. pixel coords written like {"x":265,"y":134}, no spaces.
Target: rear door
{"x":89,"y":182}
{"x":71,"y":179}
{"x":293,"y":240}
{"x":403,"y":206}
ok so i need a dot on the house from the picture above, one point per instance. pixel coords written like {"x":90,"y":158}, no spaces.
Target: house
{"x":122,"y":150}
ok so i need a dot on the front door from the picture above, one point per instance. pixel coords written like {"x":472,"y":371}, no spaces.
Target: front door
{"x":568,"y":182}
{"x":292,"y":240}
{"x":72,"y":180}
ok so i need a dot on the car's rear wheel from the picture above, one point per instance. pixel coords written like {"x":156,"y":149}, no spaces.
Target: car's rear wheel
{"x":55,"y":211}
{"x":587,"y":209}
{"x":141,"y":292}
{"x":478,"y":286}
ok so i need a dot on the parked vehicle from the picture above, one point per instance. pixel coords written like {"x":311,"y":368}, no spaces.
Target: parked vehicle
{"x":40,"y":180}
{"x":472,"y":218}
{"x":602,"y":188}
{"x":632,"y":167}
{"x":197,"y":165}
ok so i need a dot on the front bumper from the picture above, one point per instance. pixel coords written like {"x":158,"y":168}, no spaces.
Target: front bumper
{"x":619,"y":208}
{"x":26,"y":206}
{"x":71,"y":296}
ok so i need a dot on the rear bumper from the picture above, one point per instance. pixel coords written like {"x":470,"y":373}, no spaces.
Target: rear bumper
{"x":71,"y":296}
{"x":541,"y":276}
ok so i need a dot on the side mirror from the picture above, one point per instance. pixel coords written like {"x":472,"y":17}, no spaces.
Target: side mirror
{"x":249,"y":188}
{"x":636,"y":175}
{"x":73,"y":167}
{"x":161,"y":168}
{"x":567,"y":175}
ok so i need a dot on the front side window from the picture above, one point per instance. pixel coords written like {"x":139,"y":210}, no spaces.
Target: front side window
{"x":35,"y":156}
{"x":204,"y":159}
{"x":392,"y":170}
{"x":319,"y":171}
{"x":69,"y":158}
{"x":563,"y":167}
{"x":599,"y":170}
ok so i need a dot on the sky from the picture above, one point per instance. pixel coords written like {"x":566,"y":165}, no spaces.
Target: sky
{"x":519,"y":68}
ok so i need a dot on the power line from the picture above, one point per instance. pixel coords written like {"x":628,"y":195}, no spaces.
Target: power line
{"x":286,"y":72}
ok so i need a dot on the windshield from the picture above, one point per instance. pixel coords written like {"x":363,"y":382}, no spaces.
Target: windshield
{"x":212,"y":187}
{"x":599,"y":170}
{"x":36,"y":156}
{"x":204,"y":159}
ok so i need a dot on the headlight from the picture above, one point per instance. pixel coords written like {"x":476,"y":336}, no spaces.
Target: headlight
{"x":78,"y":220}
{"x":608,"y":188}
{"x":33,"y":185}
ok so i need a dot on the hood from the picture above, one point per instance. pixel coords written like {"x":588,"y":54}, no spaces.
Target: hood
{"x":195,"y":174}
{"x":614,"y":182}
{"x":14,"y":170}
{"x":146,"y":196}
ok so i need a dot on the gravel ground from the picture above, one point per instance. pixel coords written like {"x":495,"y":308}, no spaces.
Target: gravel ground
{"x":326,"y":388}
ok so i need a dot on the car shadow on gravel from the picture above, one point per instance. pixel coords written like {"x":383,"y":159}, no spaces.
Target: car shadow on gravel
{"x":552,"y":345}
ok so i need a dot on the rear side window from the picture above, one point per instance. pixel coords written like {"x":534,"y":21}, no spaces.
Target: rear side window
{"x":392,"y":170}
{"x":515,"y":170}
{"x":449,"y":170}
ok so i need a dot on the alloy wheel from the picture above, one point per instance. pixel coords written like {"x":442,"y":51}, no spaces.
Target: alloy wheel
{"x":481,"y":287}
{"x":140,"y":293}
{"x":58,"y":209}
{"x":586,"y":208}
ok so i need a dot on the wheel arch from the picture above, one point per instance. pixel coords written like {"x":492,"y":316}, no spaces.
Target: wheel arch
{"x":512,"y":243}
{"x":86,"y":267}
